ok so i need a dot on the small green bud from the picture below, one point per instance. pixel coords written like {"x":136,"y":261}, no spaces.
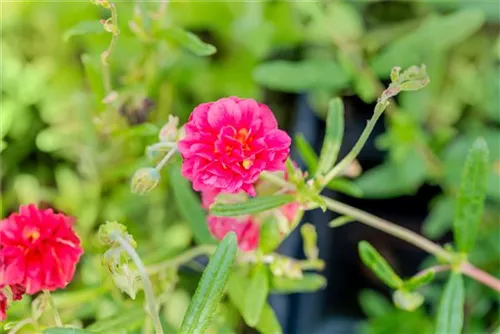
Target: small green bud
{"x":107,"y":230}
{"x":169,"y":131}
{"x":102,"y":3}
{"x":408,"y":301}
{"x":127,"y":280}
{"x":395,"y":74}
{"x":310,"y":239}
{"x":145,"y":180}
{"x":282,"y":266}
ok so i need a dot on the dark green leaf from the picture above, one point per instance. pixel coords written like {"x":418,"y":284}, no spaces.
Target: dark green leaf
{"x":256,"y":296}
{"x":301,"y":76}
{"x":420,"y":280}
{"x":373,"y":260}
{"x":189,"y":205}
{"x":470,"y":201}
{"x":83,"y":28}
{"x":308,"y":283}
{"x":64,"y":330}
{"x":253,"y":205}
{"x":209,"y":292}
{"x":450,"y":316}
{"x":236,"y":289}
{"x":307,"y":153}
{"x":189,"y":41}
{"x":333,"y":136}
{"x":345,"y":186}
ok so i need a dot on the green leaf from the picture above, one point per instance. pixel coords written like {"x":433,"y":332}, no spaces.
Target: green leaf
{"x":189,"y":205}
{"x":406,"y":300}
{"x":450,"y":316}
{"x":64,"y":330}
{"x":127,"y":320}
{"x":420,"y":280}
{"x":306,"y":152}
{"x":189,"y":41}
{"x":333,"y":136}
{"x":373,"y":260}
{"x":308,"y":283}
{"x":345,"y":186}
{"x":470,"y":201}
{"x":236,"y":288}
{"x":93,"y":72}
{"x":270,"y":235}
{"x":253,"y":205}
{"x":83,"y":28}
{"x":256,"y":295}
{"x":209,"y":292}
{"x":301,"y":76}
{"x":339,"y":221}
{"x":440,"y":218}
{"x":374,"y":304}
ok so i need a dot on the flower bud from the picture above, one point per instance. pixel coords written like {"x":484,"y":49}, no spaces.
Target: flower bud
{"x":110,"y":228}
{"x":144,"y":180}
{"x":395,"y":74}
{"x":169,"y":131}
{"x":408,"y":301}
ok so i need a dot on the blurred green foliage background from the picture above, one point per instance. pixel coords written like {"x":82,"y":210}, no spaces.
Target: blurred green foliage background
{"x":61,"y":146}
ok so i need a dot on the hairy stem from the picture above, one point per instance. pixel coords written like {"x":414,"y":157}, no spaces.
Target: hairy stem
{"x":344,"y":163}
{"x":434,"y":269}
{"x":182,"y":258}
{"x":480,"y":276}
{"x":106,"y":54}
{"x":55,"y":312}
{"x":165,"y":159}
{"x":148,"y":289}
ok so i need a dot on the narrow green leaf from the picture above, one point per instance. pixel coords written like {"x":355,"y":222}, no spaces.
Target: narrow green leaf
{"x":450,"y":316}
{"x":64,"y":330}
{"x":308,"y":283}
{"x":127,"y":320}
{"x":253,"y":205}
{"x":374,"y":304}
{"x":93,"y":72}
{"x":83,"y":28}
{"x":236,"y":289}
{"x":306,"y":152}
{"x":420,"y":280}
{"x":470,"y":201}
{"x":189,"y":41}
{"x":270,"y":235}
{"x":209,"y":292}
{"x":301,"y":76}
{"x":256,"y":296}
{"x":373,"y":260}
{"x":333,"y":136}
{"x":339,"y":221}
{"x":346,"y":187}
{"x":189,"y":205}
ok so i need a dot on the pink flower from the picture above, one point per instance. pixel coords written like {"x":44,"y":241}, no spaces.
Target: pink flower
{"x":246,"y":229}
{"x":3,"y":306}
{"x":38,"y":249}
{"x":229,"y":142}
{"x":17,"y":294}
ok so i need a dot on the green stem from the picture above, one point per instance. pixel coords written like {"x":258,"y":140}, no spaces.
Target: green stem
{"x":349,"y":158}
{"x":182,"y":258}
{"x":165,"y":159}
{"x":55,"y":312}
{"x":148,"y":289}
{"x":106,"y":54}
{"x":388,"y":227}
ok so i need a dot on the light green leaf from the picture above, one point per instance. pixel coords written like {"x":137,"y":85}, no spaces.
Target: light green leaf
{"x":440,"y":218}
{"x":270,"y":235}
{"x":450,"y":316}
{"x":345,"y":186}
{"x":339,"y":221}
{"x":406,"y":300}
{"x":189,"y":41}
{"x":470,"y":202}
{"x":83,"y":28}
{"x":189,"y":205}
{"x":256,"y":295}
{"x":373,"y":260}
{"x":127,"y":320}
{"x":333,"y":136}
{"x":306,"y":152}
{"x":308,"y":283}
{"x":64,"y":330}
{"x":420,"y":280}
{"x":374,"y":304}
{"x":236,"y":289}
{"x":253,"y":205}
{"x":209,"y":292}
{"x":301,"y":76}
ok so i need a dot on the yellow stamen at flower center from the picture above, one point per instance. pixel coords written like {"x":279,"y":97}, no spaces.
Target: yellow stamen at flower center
{"x":32,"y":235}
{"x":246,"y":163}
